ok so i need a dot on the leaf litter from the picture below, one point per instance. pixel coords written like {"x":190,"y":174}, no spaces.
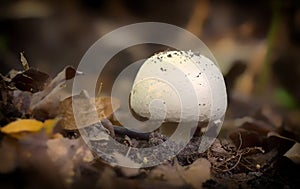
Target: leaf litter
{"x":35,"y":115}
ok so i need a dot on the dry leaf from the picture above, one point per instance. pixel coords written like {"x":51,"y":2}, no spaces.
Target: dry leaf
{"x":22,"y":125}
{"x":83,"y":108}
{"x":19,"y":128}
{"x":281,"y":143}
{"x":129,"y":172}
{"x":197,"y":173}
{"x":30,"y":80}
{"x":105,"y":107}
{"x":24,"y":61}
{"x":49,"y":125}
{"x":168,"y":174}
{"x":294,"y":153}
{"x":67,"y":155}
{"x":13,"y":104}
{"x":61,"y":153}
{"x":48,"y":100}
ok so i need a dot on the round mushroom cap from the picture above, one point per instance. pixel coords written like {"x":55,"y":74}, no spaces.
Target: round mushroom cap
{"x":164,"y":74}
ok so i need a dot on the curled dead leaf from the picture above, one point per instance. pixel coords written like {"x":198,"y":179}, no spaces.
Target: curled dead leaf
{"x":105,"y":107}
{"x":24,"y":61}
{"x":30,"y":80}
{"x":48,"y":100}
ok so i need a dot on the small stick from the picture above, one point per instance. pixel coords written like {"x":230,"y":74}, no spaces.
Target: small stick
{"x":123,"y":131}
{"x":115,"y":129}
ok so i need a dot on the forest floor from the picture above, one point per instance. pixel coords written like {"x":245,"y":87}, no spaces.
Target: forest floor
{"x":41,"y":147}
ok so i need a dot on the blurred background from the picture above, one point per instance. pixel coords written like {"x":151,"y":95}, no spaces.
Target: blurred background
{"x":256,"y":43}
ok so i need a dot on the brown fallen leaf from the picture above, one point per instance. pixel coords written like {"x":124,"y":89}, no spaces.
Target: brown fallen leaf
{"x":31,"y":80}
{"x":261,"y":133}
{"x":105,"y":107}
{"x":294,"y":153}
{"x":67,"y":155}
{"x":48,"y":100}
{"x":14,"y":103}
{"x":168,"y":174}
{"x":281,"y":143}
{"x":258,"y":144}
{"x":195,"y":174}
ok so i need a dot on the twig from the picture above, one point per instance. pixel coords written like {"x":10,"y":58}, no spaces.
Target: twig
{"x":123,"y":131}
{"x":241,"y":142}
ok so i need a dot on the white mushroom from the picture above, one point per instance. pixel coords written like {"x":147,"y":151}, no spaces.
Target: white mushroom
{"x":164,"y":74}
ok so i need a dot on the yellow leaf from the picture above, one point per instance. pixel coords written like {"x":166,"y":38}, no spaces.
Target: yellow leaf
{"x":49,"y":125}
{"x":22,"y":125}
{"x":20,"y":128}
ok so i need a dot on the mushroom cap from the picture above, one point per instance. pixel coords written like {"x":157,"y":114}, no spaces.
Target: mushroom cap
{"x":164,"y":74}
